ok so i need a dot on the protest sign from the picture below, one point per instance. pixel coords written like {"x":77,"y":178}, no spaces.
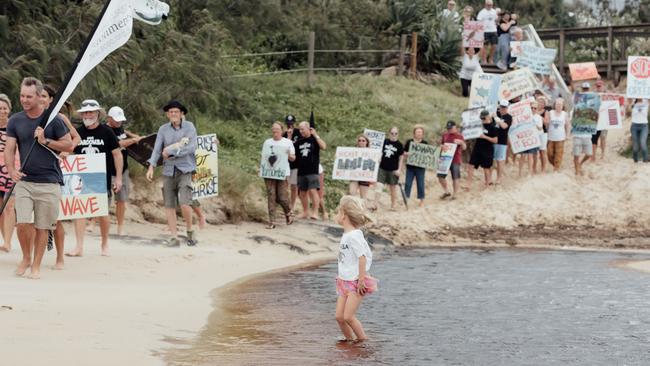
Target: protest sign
{"x":524,"y":136}
{"x":609,"y":115}
{"x":485,"y":91}
{"x":205,"y":182}
{"x":521,"y":111}
{"x":583,"y":71}
{"x":447,"y":152}
{"x":516,"y":83}
{"x":5,"y":180}
{"x":141,"y":152}
{"x":356,"y":164}
{"x":84,"y":191}
{"x":638,"y":77}
{"x":471,"y":125}
{"x":620,"y":98}
{"x":422,"y":155}
{"x":473,"y":34}
{"x":585,"y":116}
{"x":376,"y":138}
{"x":516,"y":47}
{"x":275,"y":161}
{"x":537,"y":59}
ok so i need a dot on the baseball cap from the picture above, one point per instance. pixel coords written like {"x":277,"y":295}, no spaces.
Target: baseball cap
{"x":117,"y":114}
{"x":586,"y":85}
{"x":290,"y":119}
{"x":504,"y":103}
{"x":484,"y":113}
{"x":451,"y":124}
{"x":89,"y":105}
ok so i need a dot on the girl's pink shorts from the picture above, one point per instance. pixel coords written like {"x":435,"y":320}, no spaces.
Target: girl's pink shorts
{"x":343,"y":288}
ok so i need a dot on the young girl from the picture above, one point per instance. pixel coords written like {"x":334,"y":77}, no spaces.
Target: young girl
{"x":355,"y":258}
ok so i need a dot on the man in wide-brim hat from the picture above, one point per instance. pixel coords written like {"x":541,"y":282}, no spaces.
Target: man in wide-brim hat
{"x":176,"y":142}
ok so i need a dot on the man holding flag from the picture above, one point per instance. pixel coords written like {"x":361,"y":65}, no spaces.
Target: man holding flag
{"x":38,"y":187}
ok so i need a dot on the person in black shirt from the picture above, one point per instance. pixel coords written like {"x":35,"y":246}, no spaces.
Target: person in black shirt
{"x":414,"y":172}
{"x":307,"y":160}
{"x":97,"y":138}
{"x":503,"y":123}
{"x":483,"y":153}
{"x":391,"y":161}
{"x":116,"y":120}
{"x":293,"y":134}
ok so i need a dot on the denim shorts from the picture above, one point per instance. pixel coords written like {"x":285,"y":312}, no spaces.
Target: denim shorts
{"x":500,"y":152}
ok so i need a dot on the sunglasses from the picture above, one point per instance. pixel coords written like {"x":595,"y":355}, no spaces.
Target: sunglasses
{"x":362,"y":140}
{"x":89,"y":104}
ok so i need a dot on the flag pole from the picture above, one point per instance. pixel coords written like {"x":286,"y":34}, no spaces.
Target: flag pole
{"x":43,"y":122}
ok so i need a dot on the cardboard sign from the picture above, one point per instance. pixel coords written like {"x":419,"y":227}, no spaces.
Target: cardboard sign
{"x":585,"y":115}
{"x":473,"y":34}
{"x":205,"y":182}
{"x":537,"y":59}
{"x":84,"y":192}
{"x":376,"y":138}
{"x":517,"y":83}
{"x":521,"y":111}
{"x":422,"y":155}
{"x":275,"y":161}
{"x":609,"y":115}
{"x":620,"y":98}
{"x":356,"y":164}
{"x":5,"y":180}
{"x":516,"y":47}
{"x":485,"y":91}
{"x":471,"y":124}
{"x":583,"y":71}
{"x":141,"y":152}
{"x":446,"y":158}
{"x":638,"y":77}
{"x":524,"y":136}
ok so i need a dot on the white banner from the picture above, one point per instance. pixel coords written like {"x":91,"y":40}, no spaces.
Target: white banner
{"x":205,"y":182}
{"x":84,"y":187}
{"x":609,"y":115}
{"x":537,"y":59}
{"x":447,"y":152}
{"x":521,"y":112}
{"x":376,"y":138}
{"x":638,"y":77}
{"x":516,"y":83}
{"x":524,"y":136}
{"x":356,"y":163}
{"x":485,"y":91}
{"x":471,"y":125}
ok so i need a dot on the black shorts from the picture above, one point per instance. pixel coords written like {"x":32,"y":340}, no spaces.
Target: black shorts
{"x":595,"y":137}
{"x":307,"y":182}
{"x":364,"y":184}
{"x":490,"y":38}
{"x":482,"y":159}
{"x":455,"y":172}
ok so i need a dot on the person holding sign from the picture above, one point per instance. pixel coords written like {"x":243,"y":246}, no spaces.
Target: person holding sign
{"x":453,"y":137}
{"x":483,"y":153}
{"x":529,"y":157}
{"x":358,"y":186}
{"x":308,"y":149}
{"x":559,"y":129}
{"x":544,"y":112}
{"x":277,"y":152}
{"x":600,"y":135}
{"x":293,"y":134}
{"x":412,"y":171}
{"x":503,"y":122}
{"x":8,"y":217}
{"x":97,"y":138}
{"x":639,"y":129}
{"x":38,"y":185}
{"x":391,"y":163}
{"x":176,"y":142}
{"x":469,"y":67}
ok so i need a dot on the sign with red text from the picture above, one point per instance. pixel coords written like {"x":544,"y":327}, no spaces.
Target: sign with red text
{"x":473,"y":34}
{"x":356,"y":163}
{"x":205,"y":181}
{"x":638,"y":77}
{"x":620,"y":98}
{"x":524,"y":136}
{"x":583,"y":71}
{"x":517,"y":83}
{"x":609,"y":115}
{"x":84,"y":191}
{"x":521,"y":111}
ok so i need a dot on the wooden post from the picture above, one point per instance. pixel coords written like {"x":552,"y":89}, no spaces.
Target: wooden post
{"x":610,"y":49}
{"x":310,"y":59}
{"x":561,"y":52}
{"x":402,"y":51}
{"x":624,"y":48}
{"x":414,"y":54}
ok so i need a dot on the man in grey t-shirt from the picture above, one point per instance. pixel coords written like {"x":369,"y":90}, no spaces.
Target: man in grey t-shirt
{"x":38,"y":187}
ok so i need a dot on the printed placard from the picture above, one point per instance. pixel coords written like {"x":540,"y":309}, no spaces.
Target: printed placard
{"x":274,"y":163}
{"x":638,"y":77}
{"x":585,"y":115}
{"x":609,"y":115}
{"x":583,"y":71}
{"x":604,"y":97}
{"x":376,"y":138}
{"x":5,"y":180}
{"x":422,"y":155}
{"x":516,"y":47}
{"x":205,"y":182}
{"x":485,"y":91}
{"x":524,"y":136}
{"x":516,"y":83}
{"x":447,"y":151}
{"x":356,"y":164}
{"x":471,"y":124}
{"x":473,"y":34}
{"x":521,"y":111}
{"x":537,"y":59}
{"x":84,"y":192}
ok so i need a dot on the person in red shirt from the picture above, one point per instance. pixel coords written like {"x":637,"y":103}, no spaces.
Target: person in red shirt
{"x":454,"y":137}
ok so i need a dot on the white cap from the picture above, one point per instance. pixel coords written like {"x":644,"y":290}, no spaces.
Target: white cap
{"x":117,"y":114}
{"x":586,"y":85}
{"x":504,"y":103}
{"x":89,"y":105}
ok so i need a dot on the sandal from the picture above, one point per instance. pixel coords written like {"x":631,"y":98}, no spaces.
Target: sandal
{"x":270,"y":226}
{"x":289,"y":217}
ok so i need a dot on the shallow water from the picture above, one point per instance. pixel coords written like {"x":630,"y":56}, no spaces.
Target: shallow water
{"x":441,"y":307}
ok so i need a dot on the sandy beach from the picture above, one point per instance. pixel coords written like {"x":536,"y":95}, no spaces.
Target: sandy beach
{"x":124,"y":309}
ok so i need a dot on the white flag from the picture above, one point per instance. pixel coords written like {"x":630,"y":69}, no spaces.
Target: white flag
{"x":150,"y":11}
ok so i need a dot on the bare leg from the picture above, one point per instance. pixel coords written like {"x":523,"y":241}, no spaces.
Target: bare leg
{"x":104,"y":227}
{"x":544,"y":160}
{"x":456,"y":185}
{"x":354,"y":188}
{"x":487,"y":176}
{"x":25,"y":237}
{"x":294,"y":195}
{"x":576,"y":165}
{"x":187,"y":216}
{"x":493,"y":50}
{"x":350,"y":315}
{"x":315,"y":202}
{"x":499,"y":171}
{"x":348,"y":333}
{"x":171,"y":221}
{"x":199,"y":213}
{"x":603,"y":144}
{"x":59,"y":244}
{"x":393,"y":195}
{"x":443,"y":184}
{"x":363,"y":191}
{"x":521,"y":167}
{"x":321,"y":197}
{"x":533,"y":161}
{"x":594,"y":148}
{"x":80,"y":233}
{"x":39,"y":250}
{"x":8,"y":225}
{"x":120,"y":211}
{"x":305,"y":204}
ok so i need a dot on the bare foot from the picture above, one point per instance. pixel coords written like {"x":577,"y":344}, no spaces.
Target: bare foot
{"x":326,"y":216}
{"x":75,"y":253}
{"x":58,"y":266}
{"x":34,"y":274}
{"x":22,"y":268}
{"x":303,"y":216}
{"x":120,"y":230}
{"x":105,"y":252}
{"x":5,"y":248}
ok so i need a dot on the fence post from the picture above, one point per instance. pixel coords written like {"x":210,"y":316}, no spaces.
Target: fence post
{"x":610,"y":51}
{"x":624,"y":48}
{"x":414,"y":54}
{"x":310,"y":59}
{"x":402,"y":51}
{"x":561,"y":52}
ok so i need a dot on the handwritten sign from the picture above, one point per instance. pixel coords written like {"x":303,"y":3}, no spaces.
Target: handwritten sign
{"x":524,"y":136}
{"x":84,"y":191}
{"x":609,"y":115}
{"x":638,"y":77}
{"x":275,"y":161}
{"x":376,"y":138}
{"x":471,"y":124}
{"x":620,"y":98}
{"x":537,"y":59}
{"x":5,"y":180}
{"x":356,"y":164}
{"x":485,"y":91}
{"x":585,"y":116}
{"x":205,"y":182}
{"x":516,"y":47}
{"x":583,"y":71}
{"x":422,"y":155}
{"x":473,"y":34}
{"x":521,"y":111}
{"x":447,"y":152}
{"x":517,"y":83}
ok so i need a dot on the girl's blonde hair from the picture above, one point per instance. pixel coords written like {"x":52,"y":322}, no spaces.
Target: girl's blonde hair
{"x":366,"y":138}
{"x":5,"y":98}
{"x":353,"y":208}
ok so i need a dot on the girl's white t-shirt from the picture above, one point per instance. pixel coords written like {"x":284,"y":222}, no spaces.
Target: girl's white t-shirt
{"x":353,"y":246}
{"x":469,"y":67}
{"x":556,"y":127}
{"x":640,"y":112}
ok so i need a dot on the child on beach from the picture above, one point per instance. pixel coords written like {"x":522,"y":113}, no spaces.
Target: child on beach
{"x":353,"y":281}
